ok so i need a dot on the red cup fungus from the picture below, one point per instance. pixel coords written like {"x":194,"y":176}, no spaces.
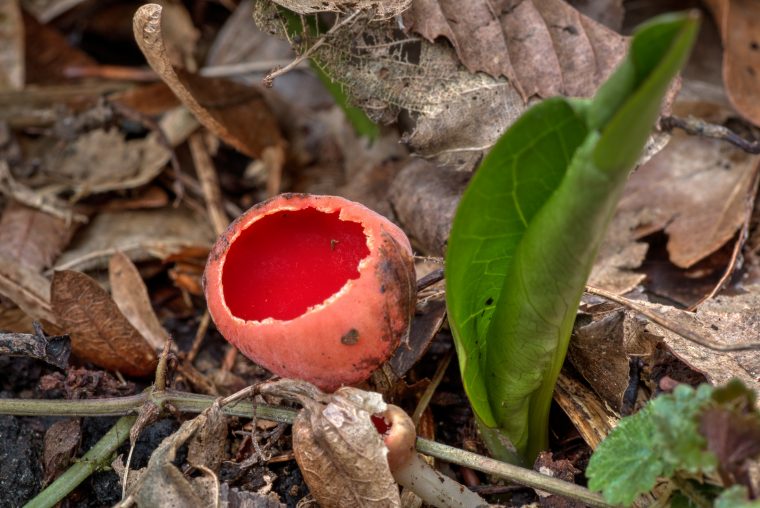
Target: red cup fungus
{"x":311,"y":287}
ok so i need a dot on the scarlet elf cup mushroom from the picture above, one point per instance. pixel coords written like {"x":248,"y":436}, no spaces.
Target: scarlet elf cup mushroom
{"x":317,"y":288}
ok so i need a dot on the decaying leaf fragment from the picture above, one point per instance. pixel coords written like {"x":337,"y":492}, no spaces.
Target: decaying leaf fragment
{"x":339,"y":450}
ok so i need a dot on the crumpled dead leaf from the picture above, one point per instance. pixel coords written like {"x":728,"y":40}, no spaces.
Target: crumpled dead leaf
{"x":739,"y":23}
{"x":236,"y":113}
{"x":131,"y":296}
{"x":103,"y":160}
{"x":99,"y":331}
{"x":338,"y":449}
{"x":140,"y":234}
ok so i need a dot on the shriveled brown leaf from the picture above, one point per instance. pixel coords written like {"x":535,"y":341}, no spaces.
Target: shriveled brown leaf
{"x":337,"y":447}
{"x":11,"y":46}
{"x":140,"y":234}
{"x":131,"y":296}
{"x":237,"y":498}
{"x":739,"y":24}
{"x":99,"y":331}
{"x":27,"y":289}
{"x":543,"y":47}
{"x":234,"y":112}
{"x":152,"y":99}
{"x":619,"y":255}
{"x":61,"y":443}
{"x":32,"y":237}
{"x":695,"y":190}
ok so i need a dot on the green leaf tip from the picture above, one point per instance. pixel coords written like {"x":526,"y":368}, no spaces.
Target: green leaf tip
{"x":528,"y":227}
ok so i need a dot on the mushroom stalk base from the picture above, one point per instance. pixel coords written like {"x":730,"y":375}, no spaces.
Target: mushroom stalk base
{"x":434,"y":488}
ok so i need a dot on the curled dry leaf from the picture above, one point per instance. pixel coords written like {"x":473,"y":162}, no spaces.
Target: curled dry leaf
{"x":739,"y":25}
{"x":99,"y":331}
{"x":236,"y":113}
{"x":32,"y":237}
{"x":131,"y":296}
{"x":338,"y":449}
{"x":208,"y":445}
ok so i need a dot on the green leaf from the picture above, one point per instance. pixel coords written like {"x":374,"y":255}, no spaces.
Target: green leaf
{"x":735,"y":497}
{"x":528,"y":227}
{"x":658,"y":441}
{"x":626,"y":464}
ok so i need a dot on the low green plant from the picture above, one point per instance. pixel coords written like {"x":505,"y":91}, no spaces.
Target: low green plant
{"x":686,"y":437}
{"x":528,"y":228}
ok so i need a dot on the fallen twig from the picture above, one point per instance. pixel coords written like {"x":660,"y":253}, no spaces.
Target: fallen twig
{"x":699,"y":127}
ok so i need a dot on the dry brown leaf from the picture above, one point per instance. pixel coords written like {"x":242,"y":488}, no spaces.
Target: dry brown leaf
{"x":739,"y":25}
{"x":610,"y":13}
{"x":618,"y":256}
{"x":236,"y":113}
{"x":27,"y":289}
{"x":32,"y":237}
{"x":11,"y":46}
{"x":140,"y":234}
{"x":543,"y":47}
{"x":695,"y":190}
{"x":61,"y":443}
{"x":180,"y":35}
{"x":99,"y":331}
{"x":337,"y":447}
{"x":103,"y":160}
{"x":131,"y":296}
{"x":50,"y":53}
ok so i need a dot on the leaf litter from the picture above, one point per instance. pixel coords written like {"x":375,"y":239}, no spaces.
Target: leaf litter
{"x":124,"y":162}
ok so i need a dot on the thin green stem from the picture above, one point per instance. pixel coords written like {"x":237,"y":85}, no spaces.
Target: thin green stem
{"x":99,"y":456}
{"x":196,"y":403}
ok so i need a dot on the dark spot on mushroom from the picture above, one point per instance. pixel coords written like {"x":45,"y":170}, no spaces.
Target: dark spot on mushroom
{"x":350,"y":338}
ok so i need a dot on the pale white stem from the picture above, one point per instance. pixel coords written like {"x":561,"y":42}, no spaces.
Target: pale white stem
{"x":433,"y":487}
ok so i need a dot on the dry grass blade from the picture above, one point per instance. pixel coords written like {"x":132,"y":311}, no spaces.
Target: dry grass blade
{"x":99,"y":331}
